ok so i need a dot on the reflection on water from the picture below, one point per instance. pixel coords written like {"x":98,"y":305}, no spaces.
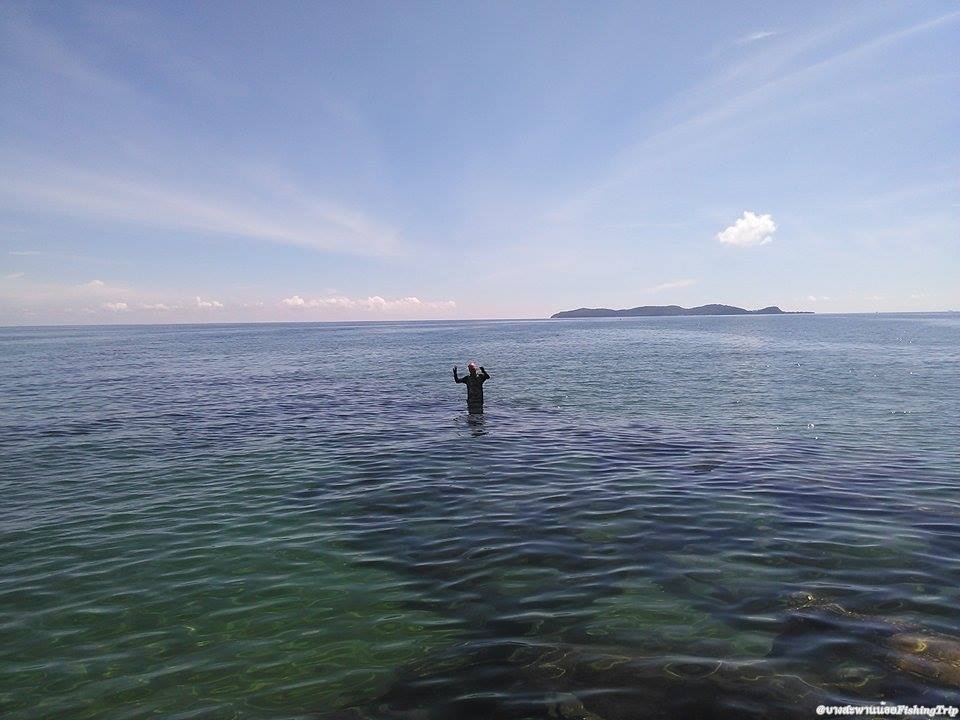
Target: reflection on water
{"x":475,"y":421}
{"x":228,"y":521}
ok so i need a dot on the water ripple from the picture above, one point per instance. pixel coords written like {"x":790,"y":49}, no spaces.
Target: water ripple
{"x":696,"y":517}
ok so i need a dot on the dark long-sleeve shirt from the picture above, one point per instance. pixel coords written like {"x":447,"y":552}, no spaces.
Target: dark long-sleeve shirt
{"x":474,"y":385}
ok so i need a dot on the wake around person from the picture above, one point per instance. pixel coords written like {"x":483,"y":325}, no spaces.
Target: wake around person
{"x":474,"y":383}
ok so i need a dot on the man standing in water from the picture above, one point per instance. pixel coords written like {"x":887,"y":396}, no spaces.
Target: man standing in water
{"x":474,"y":385}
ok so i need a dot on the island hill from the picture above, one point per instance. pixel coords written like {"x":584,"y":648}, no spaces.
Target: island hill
{"x":671,"y":310}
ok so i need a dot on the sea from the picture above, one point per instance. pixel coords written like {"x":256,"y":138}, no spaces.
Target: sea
{"x":689,"y":517}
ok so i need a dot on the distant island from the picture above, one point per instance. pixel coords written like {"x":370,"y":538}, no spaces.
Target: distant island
{"x":672,"y":310}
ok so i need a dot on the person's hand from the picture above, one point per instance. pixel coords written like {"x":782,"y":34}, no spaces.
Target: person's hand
{"x":481,"y":367}
{"x":454,"y":368}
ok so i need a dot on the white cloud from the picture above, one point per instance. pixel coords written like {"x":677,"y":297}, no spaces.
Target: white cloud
{"x":672,"y":285}
{"x":155,"y":306}
{"x":207,"y":304}
{"x":13,"y":276}
{"x":816,"y":298}
{"x":94,"y":284}
{"x":749,"y":231}
{"x":373,"y":303}
{"x":116,"y":306}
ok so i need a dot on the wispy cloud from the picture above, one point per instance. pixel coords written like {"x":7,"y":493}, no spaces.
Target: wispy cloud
{"x":26,"y":291}
{"x":749,"y":230}
{"x":672,"y":285}
{"x":728,"y":104}
{"x":289,"y":217}
{"x":141,"y":31}
{"x":754,"y":36}
{"x":67,"y":257}
{"x":201,"y":197}
{"x":32,"y":46}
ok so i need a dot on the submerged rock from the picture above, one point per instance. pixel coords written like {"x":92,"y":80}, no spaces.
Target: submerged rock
{"x":570,"y":682}
{"x":898,"y":644}
{"x":935,"y":658}
{"x":846,"y":657}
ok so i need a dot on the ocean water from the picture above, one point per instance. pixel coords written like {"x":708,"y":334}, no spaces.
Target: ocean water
{"x":655,"y":517}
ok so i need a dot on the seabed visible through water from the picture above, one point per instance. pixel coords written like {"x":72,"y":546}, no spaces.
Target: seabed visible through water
{"x":657,"y":518}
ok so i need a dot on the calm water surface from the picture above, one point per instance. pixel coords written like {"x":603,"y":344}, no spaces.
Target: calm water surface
{"x":656,"y":517}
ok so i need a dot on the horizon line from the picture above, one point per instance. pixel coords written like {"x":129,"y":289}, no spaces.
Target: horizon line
{"x":463,"y":320}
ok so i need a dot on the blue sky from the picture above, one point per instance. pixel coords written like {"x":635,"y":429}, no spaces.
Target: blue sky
{"x":231,"y":161}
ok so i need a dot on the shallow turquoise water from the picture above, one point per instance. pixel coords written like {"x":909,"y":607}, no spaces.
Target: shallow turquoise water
{"x":656,"y":517}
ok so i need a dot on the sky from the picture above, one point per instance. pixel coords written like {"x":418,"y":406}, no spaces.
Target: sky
{"x":284,"y":161}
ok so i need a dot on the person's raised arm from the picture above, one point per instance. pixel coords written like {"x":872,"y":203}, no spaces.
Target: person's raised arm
{"x":484,"y":374}
{"x":455,"y":377}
